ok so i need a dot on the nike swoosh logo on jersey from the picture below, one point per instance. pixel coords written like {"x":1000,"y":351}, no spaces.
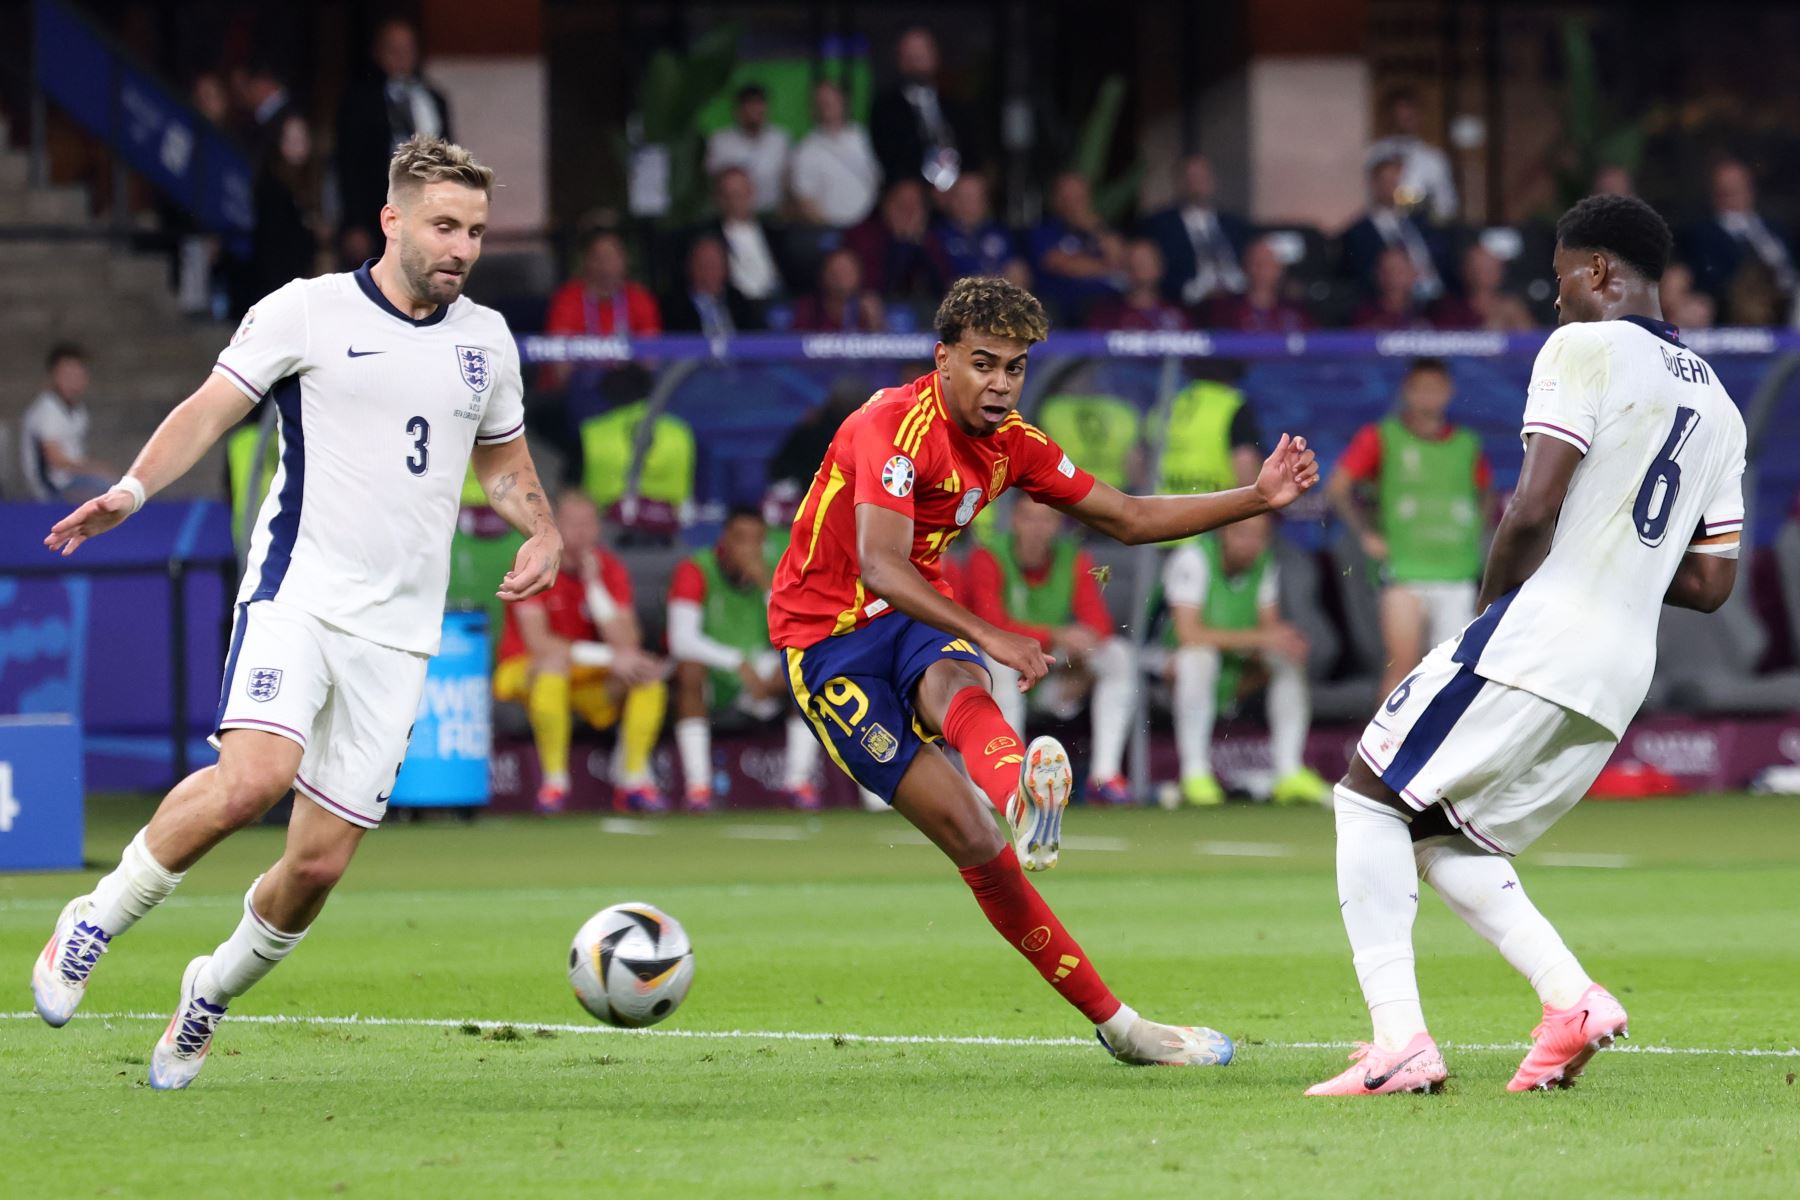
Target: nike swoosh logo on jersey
{"x":1374,"y":1082}
{"x":353,"y":352}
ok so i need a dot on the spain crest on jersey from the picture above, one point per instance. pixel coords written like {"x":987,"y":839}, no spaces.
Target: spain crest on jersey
{"x":473,"y":362}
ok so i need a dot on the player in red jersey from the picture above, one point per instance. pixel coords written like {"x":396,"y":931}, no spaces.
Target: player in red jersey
{"x":884,"y":663}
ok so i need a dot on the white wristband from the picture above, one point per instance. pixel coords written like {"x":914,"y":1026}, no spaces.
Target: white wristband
{"x":133,"y":488}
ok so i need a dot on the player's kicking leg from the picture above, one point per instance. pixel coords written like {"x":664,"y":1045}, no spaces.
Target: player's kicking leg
{"x":938,"y":800}
{"x":278,"y":910}
{"x":255,"y":769}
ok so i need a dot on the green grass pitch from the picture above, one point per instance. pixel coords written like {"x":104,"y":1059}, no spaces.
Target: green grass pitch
{"x":847,"y":924}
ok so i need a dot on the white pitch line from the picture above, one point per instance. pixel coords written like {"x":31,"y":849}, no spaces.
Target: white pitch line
{"x":767,"y":833}
{"x":1607,"y":861}
{"x":622,"y":825}
{"x":1245,"y":849}
{"x":878,"y":1039}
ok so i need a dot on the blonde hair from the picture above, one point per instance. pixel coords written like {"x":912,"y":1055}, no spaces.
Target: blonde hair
{"x":423,"y":159}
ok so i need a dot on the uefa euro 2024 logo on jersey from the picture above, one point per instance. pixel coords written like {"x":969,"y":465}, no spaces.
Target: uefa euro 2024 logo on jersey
{"x":473,"y":362}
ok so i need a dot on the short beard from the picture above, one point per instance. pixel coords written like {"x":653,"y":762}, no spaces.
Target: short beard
{"x":422,"y":282}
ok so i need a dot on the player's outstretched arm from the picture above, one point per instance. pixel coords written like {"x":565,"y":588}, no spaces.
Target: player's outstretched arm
{"x":509,"y":478}
{"x":1289,"y":470}
{"x":185,"y":434}
{"x":1523,"y":537}
{"x":884,"y":560}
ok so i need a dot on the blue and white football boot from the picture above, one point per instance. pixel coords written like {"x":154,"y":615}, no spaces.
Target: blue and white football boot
{"x":182,"y":1051}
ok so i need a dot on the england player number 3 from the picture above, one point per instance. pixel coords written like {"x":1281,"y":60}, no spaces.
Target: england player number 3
{"x":419,"y":429}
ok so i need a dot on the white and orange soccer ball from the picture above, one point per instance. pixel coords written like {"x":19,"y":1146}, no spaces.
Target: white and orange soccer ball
{"x":631,"y":965}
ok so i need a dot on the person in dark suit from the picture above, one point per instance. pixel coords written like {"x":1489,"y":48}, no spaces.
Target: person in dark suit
{"x":918,"y":132}
{"x":263,"y":103}
{"x":1386,"y":225}
{"x":707,"y":303}
{"x":1202,"y":248}
{"x":1734,"y":237}
{"x":285,"y":244}
{"x":379,"y":112}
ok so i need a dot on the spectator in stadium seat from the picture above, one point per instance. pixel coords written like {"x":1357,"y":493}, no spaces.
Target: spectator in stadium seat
{"x":1263,"y":307}
{"x":1076,"y":258}
{"x":285,"y":243}
{"x":1387,"y":226}
{"x":708,"y":303}
{"x":1481,"y":303}
{"x":1426,"y":180}
{"x":262,"y":100}
{"x":841,"y":304}
{"x":1202,"y":248}
{"x":1613,"y":181}
{"x":1683,"y":306}
{"x":1431,"y":485}
{"x":1212,"y":442}
{"x":53,"y":433}
{"x":1735,"y":239}
{"x":602,"y":299}
{"x":965,"y":239}
{"x":381,"y":109}
{"x":1395,"y":304}
{"x":576,"y":648}
{"x":918,"y":132}
{"x":833,"y":176}
{"x":891,"y":245}
{"x":719,"y":641}
{"x":750,"y":253}
{"x":752,"y":144}
{"x":1141,"y":306}
{"x":1227,"y":638}
{"x":1038,"y":581}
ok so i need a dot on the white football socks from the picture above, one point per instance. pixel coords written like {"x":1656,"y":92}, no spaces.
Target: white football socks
{"x":1484,"y":890}
{"x":1117,"y":1027}
{"x":1378,"y":895}
{"x":693,"y":743}
{"x":251,"y":952}
{"x":802,"y":758}
{"x":1196,"y":708}
{"x":1290,"y":714}
{"x":138,"y":884}
{"x":1112,"y":706}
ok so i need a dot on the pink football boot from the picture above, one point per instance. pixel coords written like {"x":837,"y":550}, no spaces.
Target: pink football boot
{"x":1418,"y":1068}
{"x":1567,"y":1038}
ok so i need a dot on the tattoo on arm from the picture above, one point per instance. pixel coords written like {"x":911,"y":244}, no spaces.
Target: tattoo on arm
{"x":504,"y":486}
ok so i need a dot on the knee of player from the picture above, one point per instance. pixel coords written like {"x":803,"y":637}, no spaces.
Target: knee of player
{"x":1197,"y":657}
{"x":552,"y":659}
{"x":1114,"y":656}
{"x":250,"y":790}
{"x":318,"y":871}
{"x":973,"y":841}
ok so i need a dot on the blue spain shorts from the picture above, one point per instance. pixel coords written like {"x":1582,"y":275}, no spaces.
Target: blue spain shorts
{"x":856,"y":691}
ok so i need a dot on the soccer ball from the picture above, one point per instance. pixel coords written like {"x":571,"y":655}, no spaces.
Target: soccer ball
{"x":631,"y":965}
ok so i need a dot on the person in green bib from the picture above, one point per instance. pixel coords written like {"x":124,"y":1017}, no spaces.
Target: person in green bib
{"x":1038,"y":580}
{"x":719,"y":639}
{"x":1212,"y":442}
{"x":1422,"y":515}
{"x":1223,"y":594}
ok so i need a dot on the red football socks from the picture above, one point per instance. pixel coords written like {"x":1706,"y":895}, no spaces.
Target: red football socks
{"x":1014,"y":908}
{"x":989,"y":746}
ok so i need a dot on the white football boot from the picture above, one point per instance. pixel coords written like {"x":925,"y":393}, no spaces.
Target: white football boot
{"x":182,"y":1051}
{"x":1149,"y":1044}
{"x":59,"y":977}
{"x":1036,"y":809}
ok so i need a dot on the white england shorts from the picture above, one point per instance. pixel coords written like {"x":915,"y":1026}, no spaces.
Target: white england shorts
{"x":348,"y":702}
{"x":1447,"y":607}
{"x":1505,"y":764}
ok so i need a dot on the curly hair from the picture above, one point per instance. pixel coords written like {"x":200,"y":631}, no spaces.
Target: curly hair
{"x":423,"y":159}
{"x":992,"y":305}
{"x":1623,"y":226}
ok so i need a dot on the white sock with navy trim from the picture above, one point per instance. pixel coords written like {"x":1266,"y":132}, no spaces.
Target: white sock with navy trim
{"x":251,"y":952}
{"x":1378,"y":897}
{"x":138,"y":884}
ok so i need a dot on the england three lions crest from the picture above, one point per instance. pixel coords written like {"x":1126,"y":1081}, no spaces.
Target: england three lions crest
{"x":264,"y":683}
{"x":473,"y":362}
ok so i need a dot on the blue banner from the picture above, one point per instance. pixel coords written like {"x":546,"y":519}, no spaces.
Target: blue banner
{"x":447,"y":760}
{"x":40,"y":794}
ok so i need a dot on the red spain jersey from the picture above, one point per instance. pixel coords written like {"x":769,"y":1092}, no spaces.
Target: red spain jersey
{"x":565,"y":604}
{"x":903,"y":451}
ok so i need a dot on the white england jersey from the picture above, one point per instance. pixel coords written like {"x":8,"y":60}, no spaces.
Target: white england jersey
{"x":1662,"y":464}
{"x":377,"y":414}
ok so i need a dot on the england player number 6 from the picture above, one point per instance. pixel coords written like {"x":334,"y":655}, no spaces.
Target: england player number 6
{"x":1656,"y":497}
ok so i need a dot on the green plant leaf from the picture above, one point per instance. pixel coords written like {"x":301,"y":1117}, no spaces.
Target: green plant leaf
{"x":1095,"y":142}
{"x":659,"y":99}
{"x":1115,"y":199}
